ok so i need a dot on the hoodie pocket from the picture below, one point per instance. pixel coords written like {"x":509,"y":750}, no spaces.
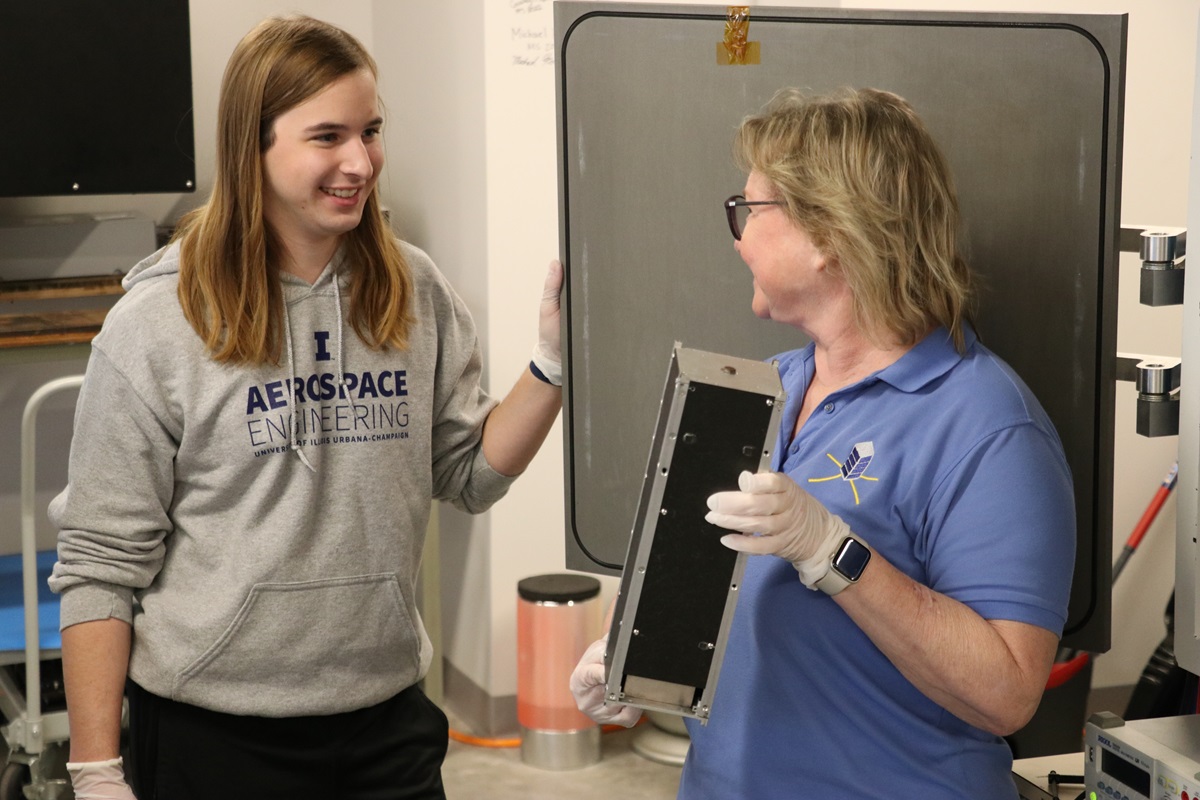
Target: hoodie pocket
{"x":312,"y":647}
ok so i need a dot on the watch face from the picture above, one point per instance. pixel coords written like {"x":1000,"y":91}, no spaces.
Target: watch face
{"x":851,"y":558}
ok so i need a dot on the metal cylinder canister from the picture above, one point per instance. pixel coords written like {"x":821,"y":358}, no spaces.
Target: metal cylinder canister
{"x":558,"y":616}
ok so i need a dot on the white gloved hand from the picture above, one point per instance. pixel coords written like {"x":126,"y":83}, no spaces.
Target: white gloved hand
{"x":99,"y":780}
{"x":547,"y":355}
{"x":791,"y":523}
{"x":587,"y":684}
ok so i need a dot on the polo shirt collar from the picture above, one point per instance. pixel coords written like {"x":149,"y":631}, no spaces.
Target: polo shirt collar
{"x":930,"y":359}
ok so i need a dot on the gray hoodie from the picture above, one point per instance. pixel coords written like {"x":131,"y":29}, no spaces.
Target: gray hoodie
{"x":262,"y":579}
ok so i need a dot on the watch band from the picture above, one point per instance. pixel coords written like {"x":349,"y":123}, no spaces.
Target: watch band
{"x":846,"y":566}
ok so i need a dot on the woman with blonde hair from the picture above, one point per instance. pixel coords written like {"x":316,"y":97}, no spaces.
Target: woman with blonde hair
{"x":267,"y":414}
{"x":916,"y":542}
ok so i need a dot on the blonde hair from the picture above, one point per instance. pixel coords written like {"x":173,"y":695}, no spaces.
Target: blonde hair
{"x":228,"y":283}
{"x":859,"y":172}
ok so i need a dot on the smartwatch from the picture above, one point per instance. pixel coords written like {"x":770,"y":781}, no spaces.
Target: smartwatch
{"x":846,"y":566}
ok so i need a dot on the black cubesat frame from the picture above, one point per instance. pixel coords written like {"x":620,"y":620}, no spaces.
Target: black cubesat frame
{"x":719,"y":416}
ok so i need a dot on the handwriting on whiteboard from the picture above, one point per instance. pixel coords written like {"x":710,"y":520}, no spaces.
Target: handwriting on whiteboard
{"x":531,"y":33}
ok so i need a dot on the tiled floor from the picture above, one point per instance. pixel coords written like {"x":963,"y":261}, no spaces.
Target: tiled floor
{"x":482,"y":773}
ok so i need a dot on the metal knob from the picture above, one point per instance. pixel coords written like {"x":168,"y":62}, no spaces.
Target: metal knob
{"x":1156,"y":378}
{"x":1160,"y":247}
{"x":1162,"y":268}
{"x":1158,"y":397}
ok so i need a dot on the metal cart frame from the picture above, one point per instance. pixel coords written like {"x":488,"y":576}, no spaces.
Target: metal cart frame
{"x":36,"y":740}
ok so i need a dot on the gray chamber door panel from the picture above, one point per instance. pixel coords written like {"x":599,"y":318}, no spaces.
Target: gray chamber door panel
{"x":1028,"y":110}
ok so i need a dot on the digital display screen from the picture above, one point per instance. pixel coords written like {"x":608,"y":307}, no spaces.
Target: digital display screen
{"x":851,"y":558}
{"x":1127,"y":773}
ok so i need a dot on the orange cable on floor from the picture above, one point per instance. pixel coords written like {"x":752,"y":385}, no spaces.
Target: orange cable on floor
{"x":515,"y":741}
{"x":483,"y":741}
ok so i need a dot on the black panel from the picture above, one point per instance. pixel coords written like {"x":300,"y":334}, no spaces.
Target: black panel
{"x":688,"y":573}
{"x":96,"y":94}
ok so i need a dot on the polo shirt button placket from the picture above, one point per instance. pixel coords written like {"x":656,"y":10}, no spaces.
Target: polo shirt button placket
{"x":829,"y":407}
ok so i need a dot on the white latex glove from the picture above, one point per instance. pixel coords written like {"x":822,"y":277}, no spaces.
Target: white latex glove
{"x":791,"y":523}
{"x":587,"y":684}
{"x":99,"y":780}
{"x":547,"y":355}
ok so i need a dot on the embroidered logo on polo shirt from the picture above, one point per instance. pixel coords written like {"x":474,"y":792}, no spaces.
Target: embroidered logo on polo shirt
{"x":854,"y":468}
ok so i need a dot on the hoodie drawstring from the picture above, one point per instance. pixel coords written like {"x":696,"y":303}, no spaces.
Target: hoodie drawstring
{"x":287,"y":324}
{"x":291,"y":364}
{"x":337,"y":302}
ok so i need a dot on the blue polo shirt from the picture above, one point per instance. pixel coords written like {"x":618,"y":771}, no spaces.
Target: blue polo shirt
{"x":948,"y":466}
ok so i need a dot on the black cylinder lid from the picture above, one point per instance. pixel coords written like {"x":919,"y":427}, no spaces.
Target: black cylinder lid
{"x":558,"y":588}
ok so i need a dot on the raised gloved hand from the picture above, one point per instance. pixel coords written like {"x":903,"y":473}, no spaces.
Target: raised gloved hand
{"x":547,"y":355}
{"x":587,"y":684}
{"x":99,"y":780}
{"x":791,"y":523}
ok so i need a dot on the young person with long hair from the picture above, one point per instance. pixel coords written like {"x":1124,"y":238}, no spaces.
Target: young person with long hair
{"x":267,"y":415}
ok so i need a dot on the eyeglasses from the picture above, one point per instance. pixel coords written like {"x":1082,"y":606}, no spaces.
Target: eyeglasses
{"x":737,"y":211}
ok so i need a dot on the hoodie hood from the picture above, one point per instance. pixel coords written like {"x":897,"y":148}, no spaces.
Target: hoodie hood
{"x":164,"y":262}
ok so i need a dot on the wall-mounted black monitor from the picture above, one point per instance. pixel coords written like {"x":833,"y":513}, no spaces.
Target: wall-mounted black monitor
{"x":96,"y":97}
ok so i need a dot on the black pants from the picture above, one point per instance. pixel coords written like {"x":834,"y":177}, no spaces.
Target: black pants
{"x":392,"y":751}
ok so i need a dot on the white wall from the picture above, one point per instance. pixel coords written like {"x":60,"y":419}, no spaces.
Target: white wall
{"x":522,"y":230}
{"x":473,"y":181}
{"x":433,"y":77}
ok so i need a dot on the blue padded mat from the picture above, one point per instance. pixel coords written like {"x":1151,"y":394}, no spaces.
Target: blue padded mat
{"x":12,"y":606}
